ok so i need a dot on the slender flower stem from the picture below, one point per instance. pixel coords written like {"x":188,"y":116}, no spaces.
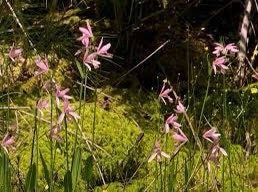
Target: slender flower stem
{"x":66,"y":143}
{"x":94,"y":115}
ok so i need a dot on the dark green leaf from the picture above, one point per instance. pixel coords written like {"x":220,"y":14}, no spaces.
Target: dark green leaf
{"x":76,"y":167}
{"x":68,"y":182}
{"x":30,"y":183}
{"x":46,"y":171}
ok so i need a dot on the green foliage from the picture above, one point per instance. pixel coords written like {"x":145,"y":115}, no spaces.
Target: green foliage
{"x":31,"y":179}
{"x":5,"y":172}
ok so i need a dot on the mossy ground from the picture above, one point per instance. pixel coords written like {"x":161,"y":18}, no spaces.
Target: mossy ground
{"x":121,"y":154}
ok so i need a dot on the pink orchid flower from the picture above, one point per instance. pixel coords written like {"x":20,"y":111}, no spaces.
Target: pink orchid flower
{"x":164,"y":93}
{"x":158,"y":153}
{"x":42,"y":65}
{"x":171,"y":121}
{"x":219,"y":64}
{"x":102,"y":50}
{"x":211,"y":135}
{"x":67,"y":111}
{"x":91,"y":59}
{"x":220,"y":49}
{"x":214,"y":155}
{"x":16,"y":54}
{"x":62,"y":94}
{"x":86,"y":35}
{"x":7,"y":141}
{"x":232,"y":48}
{"x":42,"y":104}
{"x":55,"y":133}
{"x":180,"y":108}
{"x":179,"y":136}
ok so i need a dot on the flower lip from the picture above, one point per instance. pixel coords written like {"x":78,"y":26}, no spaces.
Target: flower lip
{"x":211,"y":135}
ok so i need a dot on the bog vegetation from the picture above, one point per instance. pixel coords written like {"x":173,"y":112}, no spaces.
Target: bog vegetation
{"x":128,"y":95}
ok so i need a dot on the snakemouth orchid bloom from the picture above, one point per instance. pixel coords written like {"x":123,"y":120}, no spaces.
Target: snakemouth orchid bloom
{"x":158,"y":153}
{"x":55,"y":133}
{"x":219,"y":65}
{"x":179,"y":136}
{"x":86,"y":35}
{"x":211,"y":135}
{"x":8,"y":141}
{"x":102,"y":50}
{"x":180,"y":108}
{"x":214,"y":155}
{"x":91,"y":59}
{"x":67,"y":111}
{"x":15,"y":54}
{"x":42,"y":65}
{"x":171,"y":121}
{"x":232,"y":48}
{"x":164,"y":94}
{"x":220,"y":49}
{"x":62,"y":94}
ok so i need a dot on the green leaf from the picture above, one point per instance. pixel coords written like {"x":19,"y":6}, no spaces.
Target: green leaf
{"x":78,"y":64}
{"x":5,"y":175}
{"x":46,"y":171}
{"x":30,"y":183}
{"x":88,"y":169}
{"x":76,"y":167}
{"x":68,"y":182}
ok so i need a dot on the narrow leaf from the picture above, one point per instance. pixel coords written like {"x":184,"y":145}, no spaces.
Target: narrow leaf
{"x":46,"y":171}
{"x":88,"y":169}
{"x":68,"y":182}
{"x":76,"y":167}
{"x":30,"y":183}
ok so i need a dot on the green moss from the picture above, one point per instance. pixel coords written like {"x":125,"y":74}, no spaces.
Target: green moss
{"x":120,"y":154}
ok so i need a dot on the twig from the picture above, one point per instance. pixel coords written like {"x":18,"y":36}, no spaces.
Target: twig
{"x":19,"y":23}
{"x":136,"y":66}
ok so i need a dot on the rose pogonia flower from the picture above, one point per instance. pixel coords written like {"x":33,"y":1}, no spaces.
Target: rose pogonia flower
{"x":179,"y":136}
{"x":55,"y":133}
{"x":171,"y":121}
{"x":164,"y":93}
{"x":62,"y":94}
{"x":232,"y":48}
{"x":211,"y":135}
{"x":180,"y":108}
{"x":219,"y":48}
{"x":214,"y":155}
{"x":7,"y":141}
{"x":91,"y":59}
{"x":86,"y":35}
{"x":42,"y":104}
{"x":16,"y":54}
{"x":158,"y":153}
{"x":42,"y":65}
{"x":68,"y":111}
{"x":219,"y":64}
{"x":102,"y":50}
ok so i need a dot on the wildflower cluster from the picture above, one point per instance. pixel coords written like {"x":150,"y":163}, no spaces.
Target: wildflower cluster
{"x":91,"y":55}
{"x":89,"y":51}
{"x":214,"y":150}
{"x":171,"y":125}
{"x":223,"y":54}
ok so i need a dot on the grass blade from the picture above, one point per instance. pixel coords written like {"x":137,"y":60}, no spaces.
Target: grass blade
{"x":46,"y":171}
{"x":68,"y":182}
{"x":30,"y":183}
{"x":76,"y":167}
